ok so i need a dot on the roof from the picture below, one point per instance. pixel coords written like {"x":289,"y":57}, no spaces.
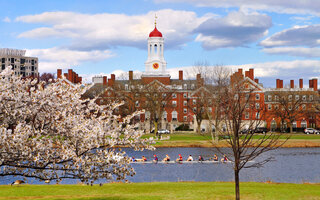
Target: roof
{"x":155,"y":33}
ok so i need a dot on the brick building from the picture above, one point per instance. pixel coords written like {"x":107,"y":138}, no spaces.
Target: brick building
{"x":173,"y":102}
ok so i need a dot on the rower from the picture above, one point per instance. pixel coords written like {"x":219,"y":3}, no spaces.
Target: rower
{"x":133,"y":159}
{"x":215,"y":157}
{"x":155,"y":160}
{"x":190,"y":158}
{"x":200,"y":158}
{"x":224,"y":159}
{"x":180,"y":158}
{"x":144,"y":159}
{"x":167,"y":158}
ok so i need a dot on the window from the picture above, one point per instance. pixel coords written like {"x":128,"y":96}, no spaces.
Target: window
{"x":147,"y":115}
{"x":246,"y":115}
{"x":290,"y":107}
{"x":269,"y":106}
{"x":164,"y":95}
{"x":209,"y":109}
{"x":269,"y":98}
{"x":192,"y":86}
{"x":174,"y":115}
{"x":184,"y":103}
{"x":185,"y":111}
{"x":257,"y":106}
{"x":126,"y":87}
{"x":194,"y":109}
{"x":290,"y":97}
{"x":303,"y":106}
{"x":194,"y":102}
{"x":303,"y":124}
{"x":174,"y":103}
{"x":184,"y":95}
{"x":247,"y":105}
{"x":185,"y":118}
{"x":236,"y":97}
{"x":164,"y":115}
{"x":185,"y":86}
{"x":276,"y":97}
{"x":247,"y":96}
{"x":257,"y":115}
{"x":311,"y":97}
{"x":164,"y":103}
{"x":297,"y":97}
{"x":137,"y":104}
{"x":174,"y":95}
{"x":257,"y":96}
{"x":294,"y":124}
{"x":155,"y":95}
{"x":304,"y":97}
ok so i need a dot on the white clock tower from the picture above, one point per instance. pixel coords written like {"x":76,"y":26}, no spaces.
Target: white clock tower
{"x":155,"y":64}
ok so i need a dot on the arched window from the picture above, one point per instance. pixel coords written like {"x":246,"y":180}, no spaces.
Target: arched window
{"x":155,"y":48}
{"x":164,"y":115}
{"x":147,"y":114}
{"x":174,"y":116}
{"x":273,"y":125}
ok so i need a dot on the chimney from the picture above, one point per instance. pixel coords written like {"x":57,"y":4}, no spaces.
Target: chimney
{"x":300,"y":83}
{"x":70,"y":74}
{"x":291,"y":83}
{"x":199,"y":80}
{"x":104,"y":80}
{"x":256,"y":80}
{"x":130,"y":75}
{"x":180,"y":75}
{"x":247,"y":73}
{"x":80,"y":79}
{"x":59,"y":73}
{"x":278,"y":83}
{"x":281,"y":83}
{"x":240,"y":71}
{"x":111,"y":80}
{"x":310,"y":83}
{"x":251,"y":73}
{"x":66,"y":75}
{"x":315,"y":84}
{"x":76,"y":79}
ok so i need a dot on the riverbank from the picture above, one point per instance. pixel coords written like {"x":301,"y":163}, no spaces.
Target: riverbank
{"x":189,"y":139}
{"x":163,"y":190}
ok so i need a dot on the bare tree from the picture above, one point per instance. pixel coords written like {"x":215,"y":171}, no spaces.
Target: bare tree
{"x":239,"y":103}
{"x":289,"y":107}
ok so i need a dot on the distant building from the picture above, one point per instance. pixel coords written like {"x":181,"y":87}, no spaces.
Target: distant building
{"x":190,"y":98}
{"x":22,"y":65}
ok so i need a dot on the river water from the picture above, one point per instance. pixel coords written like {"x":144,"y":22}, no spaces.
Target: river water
{"x":290,"y":165}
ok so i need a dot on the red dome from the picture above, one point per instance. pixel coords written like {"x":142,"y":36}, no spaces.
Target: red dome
{"x":155,"y":33}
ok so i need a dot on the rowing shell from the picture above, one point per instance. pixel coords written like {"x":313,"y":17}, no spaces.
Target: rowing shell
{"x":184,"y":162}
{"x":180,"y":162}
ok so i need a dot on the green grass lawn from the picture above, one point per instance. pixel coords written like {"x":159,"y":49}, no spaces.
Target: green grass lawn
{"x":154,"y":191}
{"x":181,"y":139}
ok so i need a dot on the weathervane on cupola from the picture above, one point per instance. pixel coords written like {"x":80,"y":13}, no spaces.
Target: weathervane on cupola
{"x":155,"y":64}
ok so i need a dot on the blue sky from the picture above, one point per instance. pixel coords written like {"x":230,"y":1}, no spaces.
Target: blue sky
{"x":279,"y":39}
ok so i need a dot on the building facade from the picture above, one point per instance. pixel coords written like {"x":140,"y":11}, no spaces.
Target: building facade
{"x":170,"y":103}
{"x":22,"y":65}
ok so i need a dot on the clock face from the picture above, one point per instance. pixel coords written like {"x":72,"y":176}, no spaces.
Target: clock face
{"x":155,"y":65}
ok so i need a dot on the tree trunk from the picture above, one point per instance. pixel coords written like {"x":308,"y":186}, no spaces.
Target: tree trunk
{"x":199,"y":127}
{"x":291,"y":129}
{"x":155,"y":127}
{"x":237,"y":184}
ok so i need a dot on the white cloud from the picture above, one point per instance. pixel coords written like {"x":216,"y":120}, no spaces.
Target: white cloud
{"x":6,"y":19}
{"x":294,"y":51}
{"x":101,"y":31}
{"x":53,"y":58}
{"x":236,"y":29}
{"x":307,"y":35}
{"x":279,"y":6}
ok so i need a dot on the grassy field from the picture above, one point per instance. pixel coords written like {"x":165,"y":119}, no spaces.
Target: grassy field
{"x":157,"y":191}
{"x":189,"y":139}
